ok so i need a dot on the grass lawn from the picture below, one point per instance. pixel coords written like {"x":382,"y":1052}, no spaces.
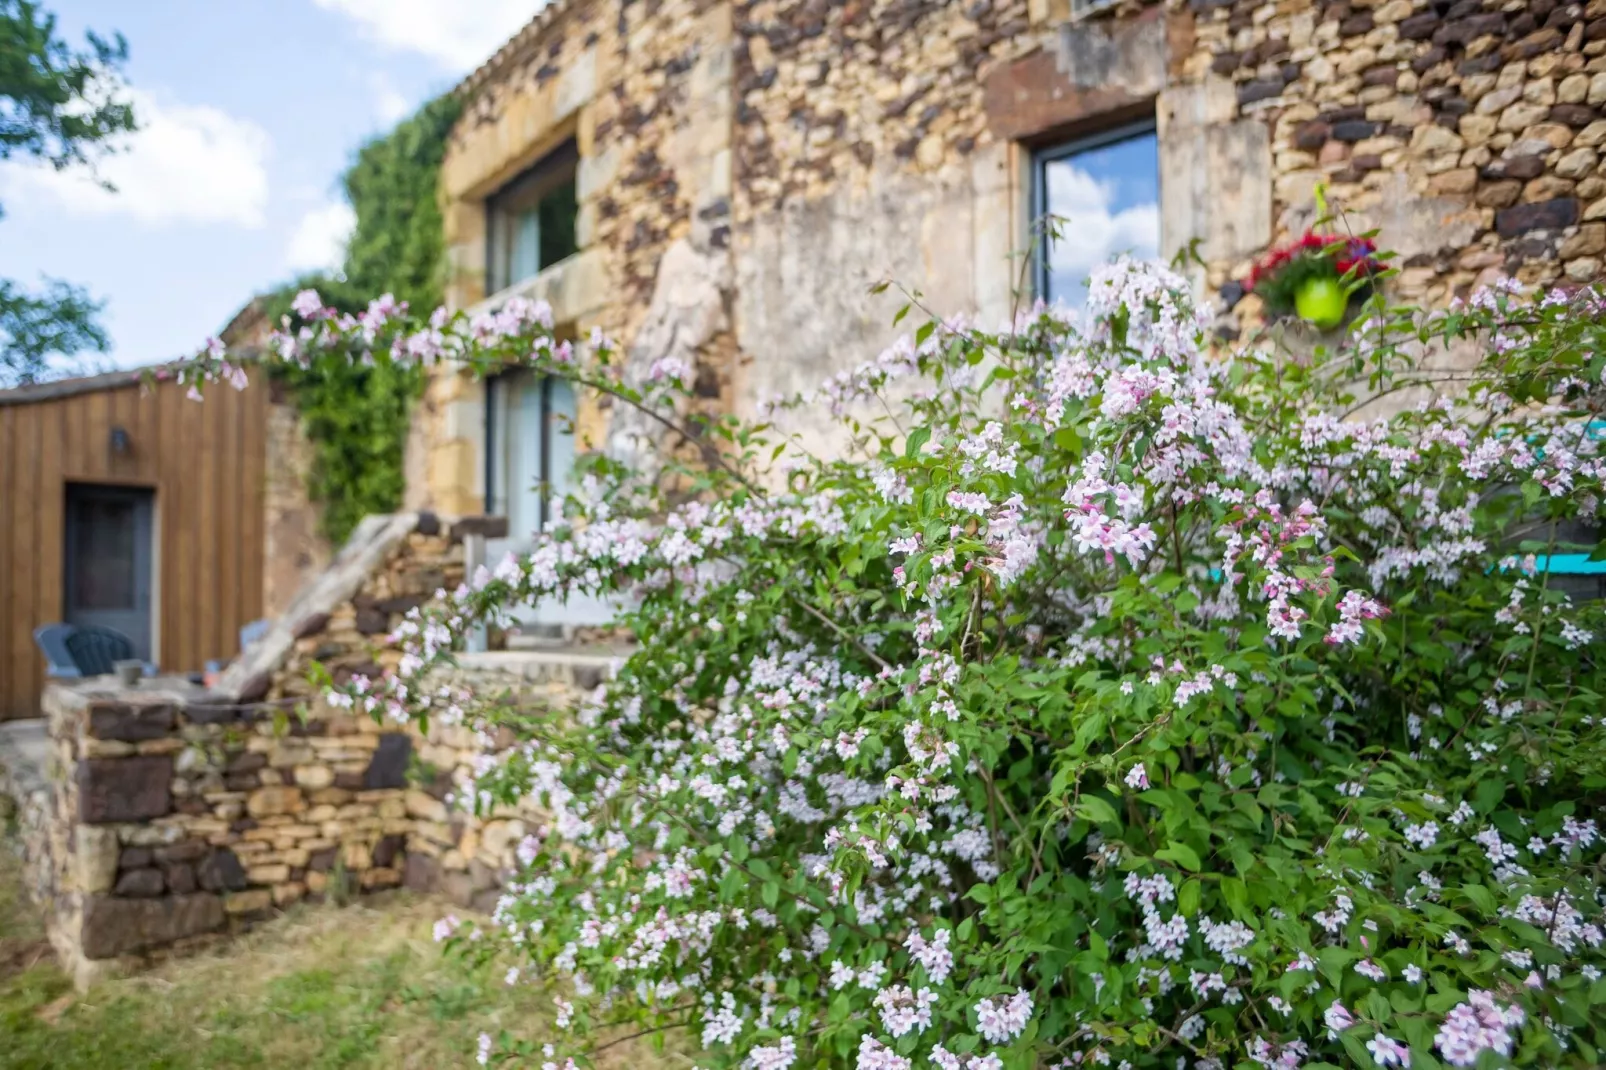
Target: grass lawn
{"x":321,"y":987}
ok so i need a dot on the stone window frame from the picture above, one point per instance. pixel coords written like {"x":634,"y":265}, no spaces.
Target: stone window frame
{"x":559,"y":164}
{"x":1123,"y":124}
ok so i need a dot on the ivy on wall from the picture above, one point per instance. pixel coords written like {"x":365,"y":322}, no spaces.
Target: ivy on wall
{"x":357,"y":417}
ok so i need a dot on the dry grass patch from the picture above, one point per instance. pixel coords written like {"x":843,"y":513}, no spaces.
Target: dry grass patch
{"x":321,"y":987}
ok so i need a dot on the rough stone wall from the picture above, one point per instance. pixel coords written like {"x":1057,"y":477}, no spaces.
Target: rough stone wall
{"x":865,"y":153}
{"x":294,"y":546}
{"x":162,"y":816}
{"x":174,"y":817}
{"x":834,"y":143}
{"x":644,"y":88}
{"x":1469,"y":131}
{"x":450,"y":849}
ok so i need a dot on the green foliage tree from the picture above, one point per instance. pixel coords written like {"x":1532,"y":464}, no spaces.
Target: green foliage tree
{"x":57,"y":105}
{"x":357,"y":415}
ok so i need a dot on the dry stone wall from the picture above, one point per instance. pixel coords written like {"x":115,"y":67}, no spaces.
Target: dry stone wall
{"x":175,"y":816}
{"x":164,"y":815}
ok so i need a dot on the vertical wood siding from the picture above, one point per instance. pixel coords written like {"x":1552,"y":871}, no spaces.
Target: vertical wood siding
{"x":205,"y":461}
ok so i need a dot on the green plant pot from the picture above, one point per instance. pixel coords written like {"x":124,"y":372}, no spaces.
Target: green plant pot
{"x":1321,"y":303}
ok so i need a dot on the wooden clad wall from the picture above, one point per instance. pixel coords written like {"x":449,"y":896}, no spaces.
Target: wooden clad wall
{"x":205,"y":462}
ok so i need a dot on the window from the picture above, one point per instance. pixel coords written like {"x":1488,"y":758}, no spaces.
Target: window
{"x":529,"y":470}
{"x":530,"y":221}
{"x":530,"y":450}
{"x":1105,"y":193}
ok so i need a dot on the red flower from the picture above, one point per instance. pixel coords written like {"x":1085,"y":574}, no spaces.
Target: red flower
{"x":1278,"y":274}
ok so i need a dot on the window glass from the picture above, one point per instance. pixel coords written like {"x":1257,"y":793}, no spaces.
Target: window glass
{"x":530,"y":221}
{"x":1105,"y":193}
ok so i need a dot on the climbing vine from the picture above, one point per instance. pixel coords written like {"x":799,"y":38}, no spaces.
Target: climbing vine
{"x":357,"y":416}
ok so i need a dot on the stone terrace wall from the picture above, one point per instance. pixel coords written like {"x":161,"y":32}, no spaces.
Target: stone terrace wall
{"x":164,"y":815}
{"x":172,"y":816}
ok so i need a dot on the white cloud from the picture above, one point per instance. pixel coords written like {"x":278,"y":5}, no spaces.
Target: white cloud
{"x":1091,"y":231}
{"x":187,"y":163}
{"x":319,"y":240}
{"x":389,"y":104}
{"x":457,"y":34}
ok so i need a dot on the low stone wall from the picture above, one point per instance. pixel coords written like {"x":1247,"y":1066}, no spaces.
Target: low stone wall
{"x":163,"y":815}
{"x":451,"y":850}
{"x":173,"y":816}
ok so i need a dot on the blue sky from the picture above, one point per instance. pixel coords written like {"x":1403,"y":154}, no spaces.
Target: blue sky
{"x":251,"y":109}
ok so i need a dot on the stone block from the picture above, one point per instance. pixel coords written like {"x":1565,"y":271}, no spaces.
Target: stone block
{"x":423,"y":806}
{"x":1098,"y":66}
{"x":1589,"y":241}
{"x":135,"y":858}
{"x":420,"y":873}
{"x":183,"y":851}
{"x":388,"y":767}
{"x":314,"y":776}
{"x":1462,"y":180}
{"x":1585,"y":269}
{"x":372,"y":880}
{"x":130,"y":723}
{"x":113,"y":927}
{"x":1575,"y":115}
{"x":94,"y":858}
{"x":489,"y":527}
{"x":1521,"y":115}
{"x":1499,"y":194}
{"x":124,"y":789}
{"x":180,"y":878}
{"x":372,"y":621}
{"x":221,"y":871}
{"x":1577,"y":163}
{"x":387,"y":850}
{"x":140,"y":884}
{"x":1355,"y":130}
{"x":357,"y":857}
{"x":250,"y":902}
{"x":1541,"y":215}
{"x":271,"y":801}
{"x":290,"y":752}
{"x":273,"y":873}
{"x":285,"y":894}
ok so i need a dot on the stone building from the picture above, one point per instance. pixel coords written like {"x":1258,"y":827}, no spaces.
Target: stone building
{"x":722,"y":180}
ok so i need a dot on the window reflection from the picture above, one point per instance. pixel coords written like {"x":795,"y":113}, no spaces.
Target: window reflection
{"x":1106,"y":195}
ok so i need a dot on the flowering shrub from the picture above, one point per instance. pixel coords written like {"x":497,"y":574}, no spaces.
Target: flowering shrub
{"x":1112,"y":702}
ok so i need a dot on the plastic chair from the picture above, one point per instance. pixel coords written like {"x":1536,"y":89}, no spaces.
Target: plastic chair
{"x":52,"y":642}
{"x":254,"y":631}
{"x":94,"y":650}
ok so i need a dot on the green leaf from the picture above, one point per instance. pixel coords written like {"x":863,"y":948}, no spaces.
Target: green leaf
{"x":1096,"y":810}
{"x":917,"y":438}
{"x":1182,"y":855}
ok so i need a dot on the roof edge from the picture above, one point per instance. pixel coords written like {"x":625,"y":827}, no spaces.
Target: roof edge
{"x":56,"y":389}
{"x":515,"y":47}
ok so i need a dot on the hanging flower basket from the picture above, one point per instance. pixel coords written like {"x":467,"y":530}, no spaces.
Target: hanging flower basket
{"x":1316,"y":277}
